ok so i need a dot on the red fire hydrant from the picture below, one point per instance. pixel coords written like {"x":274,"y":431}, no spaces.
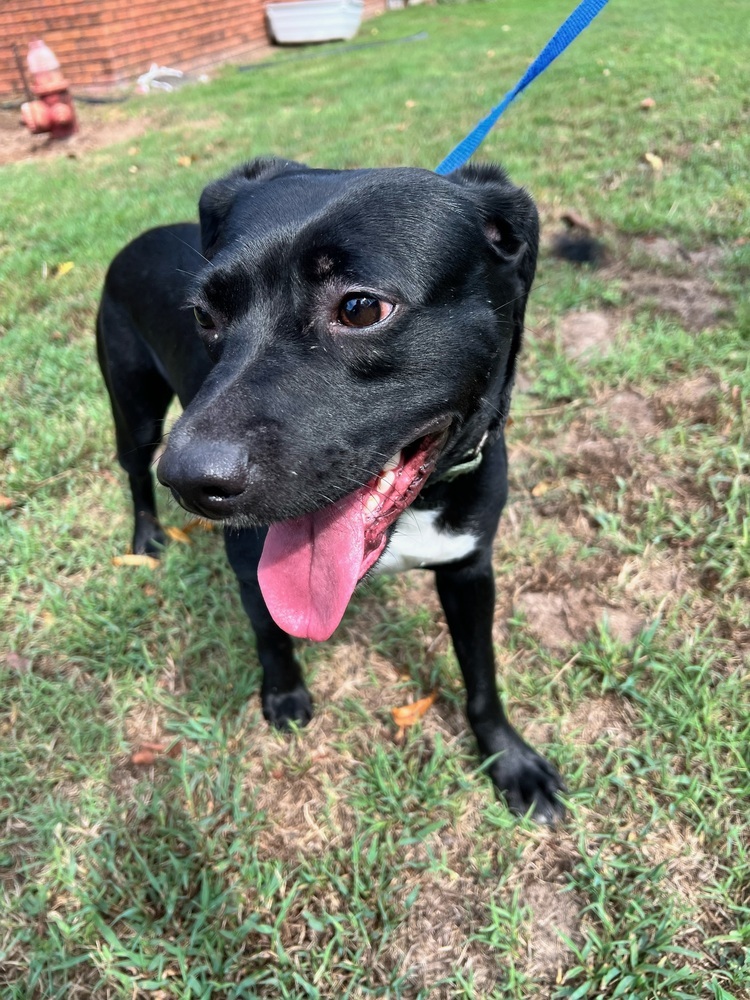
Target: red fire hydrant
{"x":53,"y":110}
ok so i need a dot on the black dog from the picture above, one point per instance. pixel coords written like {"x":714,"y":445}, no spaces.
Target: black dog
{"x":343,"y":343}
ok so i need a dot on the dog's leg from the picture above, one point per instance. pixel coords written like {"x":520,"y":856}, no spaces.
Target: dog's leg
{"x":524,"y":778}
{"x":140,"y":397}
{"x":284,"y":697}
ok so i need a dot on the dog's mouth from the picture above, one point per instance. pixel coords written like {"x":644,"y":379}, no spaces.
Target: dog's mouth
{"x":311,"y":565}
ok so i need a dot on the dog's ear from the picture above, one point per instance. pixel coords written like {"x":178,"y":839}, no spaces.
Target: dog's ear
{"x":508,"y":214}
{"x":217,"y":199}
{"x":511,"y":226}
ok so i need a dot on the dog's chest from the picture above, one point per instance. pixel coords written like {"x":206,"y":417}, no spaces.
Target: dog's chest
{"x":417,"y":541}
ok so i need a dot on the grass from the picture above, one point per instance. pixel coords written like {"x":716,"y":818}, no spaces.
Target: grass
{"x":345,"y":861}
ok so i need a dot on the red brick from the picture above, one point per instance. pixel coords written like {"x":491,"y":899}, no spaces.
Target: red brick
{"x":100,"y":42}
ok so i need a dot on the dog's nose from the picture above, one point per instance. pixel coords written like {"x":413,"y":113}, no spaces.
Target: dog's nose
{"x":205,"y":477}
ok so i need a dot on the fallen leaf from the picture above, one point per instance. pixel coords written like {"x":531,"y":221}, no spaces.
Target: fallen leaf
{"x":185,"y":161}
{"x":654,"y":161}
{"x":149,"y":750}
{"x":132,"y":560}
{"x":197,"y":522}
{"x":409,"y":715}
{"x":7,"y":503}
{"x":64,"y":268}
{"x":177,"y":535}
{"x":541,"y":488}
{"x":648,"y":102}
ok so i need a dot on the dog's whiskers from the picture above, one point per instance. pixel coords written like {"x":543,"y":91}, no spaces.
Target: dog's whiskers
{"x":190,"y":247}
{"x":517,"y":298}
{"x":358,"y":483}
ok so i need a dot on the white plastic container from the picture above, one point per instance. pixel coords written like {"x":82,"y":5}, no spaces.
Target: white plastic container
{"x":303,"y":21}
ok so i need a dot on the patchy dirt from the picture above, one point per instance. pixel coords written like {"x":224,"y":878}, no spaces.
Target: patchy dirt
{"x":651,"y":578}
{"x":688,"y":869}
{"x":657,"y":273}
{"x":547,"y":617}
{"x":587,"y":334}
{"x":693,"y":300}
{"x":560,"y":619}
{"x":435,"y":940}
{"x":293,"y":781}
{"x":607,"y":718}
{"x":678,"y":282}
{"x":554,"y":913}
{"x":632,"y":412}
{"x":97,"y":128}
{"x":690,"y":401}
{"x":665,"y":251}
{"x":16,"y":663}
{"x":590,"y":455}
{"x":563,"y":596}
{"x":308,"y":816}
{"x":144,"y":723}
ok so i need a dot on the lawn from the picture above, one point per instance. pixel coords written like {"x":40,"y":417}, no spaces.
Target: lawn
{"x":156,"y":839}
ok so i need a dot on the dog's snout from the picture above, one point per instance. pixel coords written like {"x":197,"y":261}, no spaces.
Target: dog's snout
{"x":206,"y":477}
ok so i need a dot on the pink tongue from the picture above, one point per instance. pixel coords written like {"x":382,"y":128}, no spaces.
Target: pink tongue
{"x":310,"y":567}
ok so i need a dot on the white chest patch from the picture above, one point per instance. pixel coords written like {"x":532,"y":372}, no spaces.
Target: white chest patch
{"x":416,"y":542}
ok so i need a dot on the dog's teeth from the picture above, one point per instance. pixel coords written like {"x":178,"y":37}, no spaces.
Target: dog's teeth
{"x":372,"y":503}
{"x":385,"y":482}
{"x":392,"y":463}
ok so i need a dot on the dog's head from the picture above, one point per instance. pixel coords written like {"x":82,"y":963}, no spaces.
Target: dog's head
{"x":363,"y":327}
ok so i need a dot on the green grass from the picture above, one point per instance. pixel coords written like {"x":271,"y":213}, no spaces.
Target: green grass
{"x":345,"y":861}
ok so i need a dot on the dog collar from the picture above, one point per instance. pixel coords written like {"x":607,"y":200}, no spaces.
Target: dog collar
{"x":468,"y":465}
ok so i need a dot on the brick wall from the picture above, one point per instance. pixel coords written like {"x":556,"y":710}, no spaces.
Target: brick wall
{"x":105,"y":42}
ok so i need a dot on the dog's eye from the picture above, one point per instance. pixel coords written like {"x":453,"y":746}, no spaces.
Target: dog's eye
{"x":363,"y":310}
{"x":203,"y":318}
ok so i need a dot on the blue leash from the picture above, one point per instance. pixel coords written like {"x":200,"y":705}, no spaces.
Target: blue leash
{"x":581,"y":18}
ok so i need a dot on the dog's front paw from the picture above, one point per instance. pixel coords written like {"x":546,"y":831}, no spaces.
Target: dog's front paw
{"x":284,"y":708}
{"x":149,"y":539}
{"x":528,"y":782}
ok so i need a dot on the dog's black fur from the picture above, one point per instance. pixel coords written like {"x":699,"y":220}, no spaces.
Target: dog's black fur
{"x":287,"y":409}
